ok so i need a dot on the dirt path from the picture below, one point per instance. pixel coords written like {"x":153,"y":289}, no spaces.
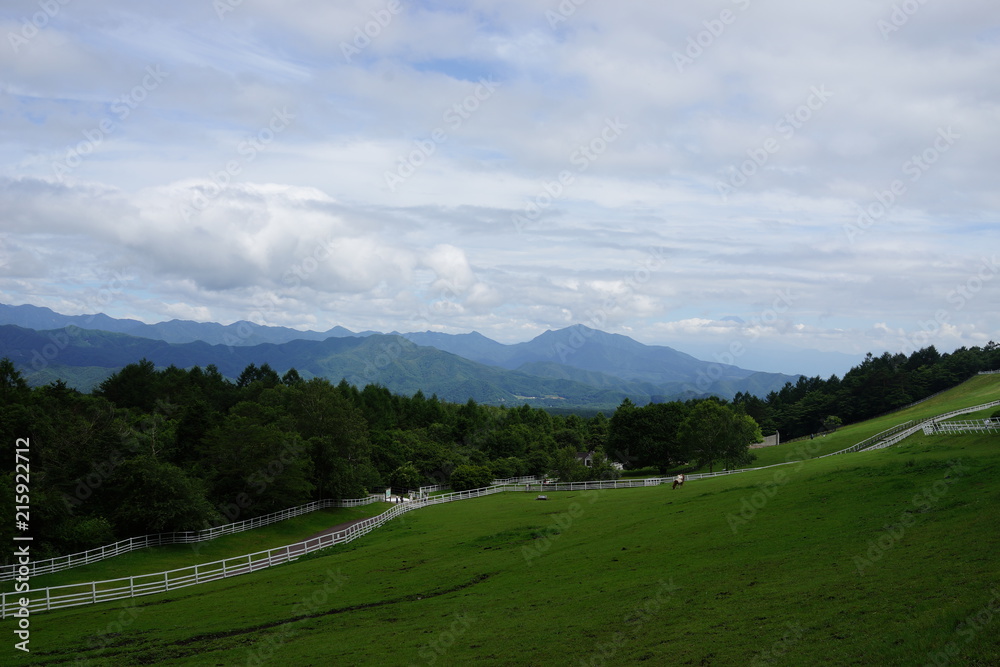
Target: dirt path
{"x":334,"y":529}
{"x":299,"y":548}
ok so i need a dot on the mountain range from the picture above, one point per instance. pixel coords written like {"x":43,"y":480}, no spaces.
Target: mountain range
{"x":572,"y":368}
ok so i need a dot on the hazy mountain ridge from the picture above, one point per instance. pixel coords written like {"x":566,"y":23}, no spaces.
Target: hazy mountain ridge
{"x":389,"y":360}
{"x":241,"y":333}
{"x":582,"y":348}
{"x":572,"y":366}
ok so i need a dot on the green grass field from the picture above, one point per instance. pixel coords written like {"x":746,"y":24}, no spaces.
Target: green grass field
{"x":978,"y":390}
{"x":981,"y":414}
{"x":875,"y":558}
{"x":878,"y":558}
{"x":159,"y":559}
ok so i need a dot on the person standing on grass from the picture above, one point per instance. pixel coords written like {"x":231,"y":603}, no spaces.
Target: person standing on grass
{"x":678,"y":481}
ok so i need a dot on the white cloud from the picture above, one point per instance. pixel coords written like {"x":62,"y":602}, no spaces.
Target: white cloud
{"x":316,"y":192}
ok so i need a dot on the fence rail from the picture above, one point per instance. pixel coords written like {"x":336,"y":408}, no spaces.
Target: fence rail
{"x":434,"y":488}
{"x":869,"y":442}
{"x":60,"y":563}
{"x":516,"y":480}
{"x":883,"y":414}
{"x":927,"y":422}
{"x":963,"y":426}
{"x":72,"y":595}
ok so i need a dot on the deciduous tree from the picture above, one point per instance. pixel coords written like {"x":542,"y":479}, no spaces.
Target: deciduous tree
{"x":713,"y":432}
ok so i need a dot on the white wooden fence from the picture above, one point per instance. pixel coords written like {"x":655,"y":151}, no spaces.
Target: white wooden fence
{"x":59,"y":563}
{"x":74,"y":595}
{"x":895,"y":439}
{"x":434,"y":488}
{"x":963,"y":426}
{"x":868,"y":442}
{"x":516,"y":480}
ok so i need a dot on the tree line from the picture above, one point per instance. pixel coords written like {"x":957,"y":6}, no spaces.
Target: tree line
{"x":157,"y":450}
{"x":874,"y":387}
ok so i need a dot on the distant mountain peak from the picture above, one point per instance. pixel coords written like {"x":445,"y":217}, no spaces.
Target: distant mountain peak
{"x":577,"y":354}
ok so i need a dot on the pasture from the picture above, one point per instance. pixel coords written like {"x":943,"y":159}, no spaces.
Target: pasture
{"x":886,"y":558}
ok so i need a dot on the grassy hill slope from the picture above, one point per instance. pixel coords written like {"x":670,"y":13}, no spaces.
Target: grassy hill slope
{"x":882,"y":558}
{"x":978,"y":390}
{"x":175,"y":556}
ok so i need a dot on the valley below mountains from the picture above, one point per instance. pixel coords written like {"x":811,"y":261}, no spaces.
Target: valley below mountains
{"x":575,"y":367}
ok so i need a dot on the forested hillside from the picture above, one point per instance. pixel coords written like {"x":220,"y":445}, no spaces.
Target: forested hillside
{"x":156,"y":450}
{"x":574,"y":367}
{"x":161,"y":450}
{"x":874,"y":387}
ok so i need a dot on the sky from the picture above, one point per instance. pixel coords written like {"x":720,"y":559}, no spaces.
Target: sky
{"x":781,"y":185}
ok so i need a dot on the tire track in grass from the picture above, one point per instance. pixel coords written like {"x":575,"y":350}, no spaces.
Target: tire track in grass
{"x":412,"y":597}
{"x":212,"y":636}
